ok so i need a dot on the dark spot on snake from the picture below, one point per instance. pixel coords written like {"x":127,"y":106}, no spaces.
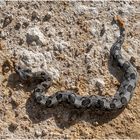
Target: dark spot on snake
{"x":42,"y":73}
{"x":130,"y":88}
{"x":126,"y":65}
{"x":59,"y":96}
{"x":126,"y":75}
{"x":44,"y":84}
{"x":99,"y":104}
{"x":132,"y":76}
{"x":71,"y":98}
{"x":48,"y":102}
{"x":123,"y":100}
{"x":39,"y":98}
{"x":37,"y":90}
{"x":121,"y":93}
{"x":86,"y":102}
{"x":118,"y":56}
{"x":114,"y":100}
{"x":112,"y":105}
{"x":49,"y":79}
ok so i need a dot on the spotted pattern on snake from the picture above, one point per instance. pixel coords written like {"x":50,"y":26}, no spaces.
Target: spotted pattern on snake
{"x":121,"y":98}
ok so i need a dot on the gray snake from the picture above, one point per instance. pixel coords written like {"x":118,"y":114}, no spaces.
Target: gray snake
{"x":121,"y":98}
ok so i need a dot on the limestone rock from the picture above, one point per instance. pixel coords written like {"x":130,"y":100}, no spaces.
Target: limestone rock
{"x":35,"y":35}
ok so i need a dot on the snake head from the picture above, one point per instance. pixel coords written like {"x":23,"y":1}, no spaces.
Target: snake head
{"x":24,"y":74}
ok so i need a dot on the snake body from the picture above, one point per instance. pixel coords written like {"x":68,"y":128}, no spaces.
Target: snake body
{"x":121,"y":98}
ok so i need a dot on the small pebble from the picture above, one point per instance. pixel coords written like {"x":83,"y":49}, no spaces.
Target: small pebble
{"x":100,"y":84}
{"x":25,"y":24}
{"x":38,"y":133}
{"x":12,"y":127}
{"x":2,"y":45}
{"x":44,"y":133}
{"x":34,"y":16}
{"x":47,"y":17}
{"x":1,"y":97}
{"x":2,"y":34}
{"x":102,"y":30}
{"x":17,"y":26}
{"x":21,"y":41}
{"x":14,"y":103}
{"x":35,"y":35}
{"x":8,"y":19}
{"x":133,"y":60}
{"x":6,"y":67}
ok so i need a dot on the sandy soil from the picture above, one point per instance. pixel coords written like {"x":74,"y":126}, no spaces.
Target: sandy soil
{"x":70,"y":40}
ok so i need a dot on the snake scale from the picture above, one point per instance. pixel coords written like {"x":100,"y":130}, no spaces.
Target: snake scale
{"x":121,"y":98}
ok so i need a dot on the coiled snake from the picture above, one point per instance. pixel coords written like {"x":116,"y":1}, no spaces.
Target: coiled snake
{"x":118,"y":101}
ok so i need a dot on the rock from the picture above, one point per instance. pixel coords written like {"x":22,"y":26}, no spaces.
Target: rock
{"x":50,"y":31}
{"x":81,"y":9}
{"x":34,"y":44}
{"x":1,"y":97}
{"x":6,"y":67}
{"x":34,"y":34}
{"x":32,"y":59}
{"x":14,"y":102}
{"x":16,"y":113}
{"x":54,"y":72}
{"x":21,"y":41}
{"x":38,"y":133}
{"x":7,"y":20}
{"x":100,"y":84}
{"x":93,"y":31}
{"x":60,"y":45}
{"x":2,"y":44}
{"x":13,"y":126}
{"x":34,"y":16}
{"x":44,"y":133}
{"x":1,"y":79}
{"x":48,"y":56}
{"x":25,"y":24}
{"x":102,"y":30}
{"x":17,"y":26}
{"x":133,"y":60}
{"x":2,"y":2}
{"x":2,"y":34}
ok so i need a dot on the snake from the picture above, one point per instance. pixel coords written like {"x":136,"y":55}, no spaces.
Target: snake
{"x":120,"y":99}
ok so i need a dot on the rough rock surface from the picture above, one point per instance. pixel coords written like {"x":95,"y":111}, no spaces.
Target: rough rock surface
{"x":34,"y":35}
{"x":72,"y":42}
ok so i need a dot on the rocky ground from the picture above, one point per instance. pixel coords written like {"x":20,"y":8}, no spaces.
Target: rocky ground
{"x":71,"y":41}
